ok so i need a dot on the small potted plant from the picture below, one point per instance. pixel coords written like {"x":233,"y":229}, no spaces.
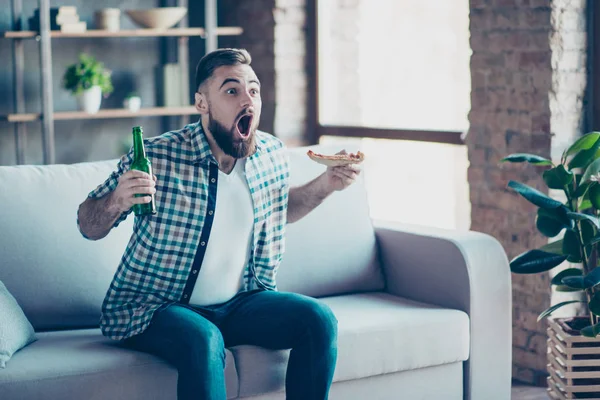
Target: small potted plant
{"x":132,"y":102}
{"x":88,"y":80}
{"x":573,"y":345}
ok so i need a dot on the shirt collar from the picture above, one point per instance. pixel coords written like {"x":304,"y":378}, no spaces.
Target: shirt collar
{"x":201,"y":148}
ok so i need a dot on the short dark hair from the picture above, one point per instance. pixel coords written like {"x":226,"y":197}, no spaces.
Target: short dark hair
{"x":218,"y":58}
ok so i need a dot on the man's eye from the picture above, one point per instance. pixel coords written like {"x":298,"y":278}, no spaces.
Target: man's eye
{"x":231,"y":91}
{"x":254,"y":92}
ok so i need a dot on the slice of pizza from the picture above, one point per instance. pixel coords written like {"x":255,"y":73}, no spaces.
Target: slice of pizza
{"x":336,"y":160}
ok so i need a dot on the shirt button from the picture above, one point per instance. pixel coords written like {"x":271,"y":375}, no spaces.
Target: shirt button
{"x":185,"y":296}
{"x":202,"y":243}
{"x":210,"y":212}
{"x":195,"y":271}
{"x":213,"y":180}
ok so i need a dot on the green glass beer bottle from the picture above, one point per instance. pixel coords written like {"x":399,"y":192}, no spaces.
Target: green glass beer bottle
{"x":141,"y":163}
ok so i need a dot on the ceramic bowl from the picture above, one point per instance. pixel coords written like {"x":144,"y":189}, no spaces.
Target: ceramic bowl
{"x":157,"y":18}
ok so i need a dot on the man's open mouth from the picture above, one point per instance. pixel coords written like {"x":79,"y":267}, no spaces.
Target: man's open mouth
{"x":244,"y":124}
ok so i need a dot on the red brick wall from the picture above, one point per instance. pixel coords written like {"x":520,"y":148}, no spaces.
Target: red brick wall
{"x":275,"y":36}
{"x":519,"y":56}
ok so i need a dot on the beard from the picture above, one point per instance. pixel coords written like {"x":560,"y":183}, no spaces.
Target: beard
{"x":225,"y":139}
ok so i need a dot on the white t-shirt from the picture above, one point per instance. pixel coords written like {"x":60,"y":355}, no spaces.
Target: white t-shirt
{"x":228,"y":248}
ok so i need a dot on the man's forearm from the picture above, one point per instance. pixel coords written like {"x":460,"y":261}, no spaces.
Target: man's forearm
{"x":303,"y":199}
{"x":97,"y":216}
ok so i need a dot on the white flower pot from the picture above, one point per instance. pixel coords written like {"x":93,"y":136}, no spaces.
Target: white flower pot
{"x":133,"y":104}
{"x":89,"y":101}
{"x":108,"y":18}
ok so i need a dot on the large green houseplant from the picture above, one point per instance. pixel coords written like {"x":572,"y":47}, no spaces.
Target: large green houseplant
{"x":577,"y":176}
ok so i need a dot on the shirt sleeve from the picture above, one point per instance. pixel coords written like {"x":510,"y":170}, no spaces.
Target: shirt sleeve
{"x":110,"y":184}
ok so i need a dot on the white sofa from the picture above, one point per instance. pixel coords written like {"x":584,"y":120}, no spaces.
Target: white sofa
{"x":423,"y":313}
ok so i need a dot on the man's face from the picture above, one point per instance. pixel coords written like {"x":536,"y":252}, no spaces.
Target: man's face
{"x":233,"y":102}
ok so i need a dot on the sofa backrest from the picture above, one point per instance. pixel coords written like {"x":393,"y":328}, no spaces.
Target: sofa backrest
{"x":332,"y":250}
{"x":60,"y":279}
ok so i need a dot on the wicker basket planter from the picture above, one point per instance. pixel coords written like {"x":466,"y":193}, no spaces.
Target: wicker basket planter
{"x":573,"y":364}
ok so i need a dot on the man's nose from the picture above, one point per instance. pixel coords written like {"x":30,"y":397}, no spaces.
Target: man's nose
{"x":246,"y":99}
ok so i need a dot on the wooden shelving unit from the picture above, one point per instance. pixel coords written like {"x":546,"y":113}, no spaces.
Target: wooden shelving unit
{"x":47,"y":116}
{"x":98,"y":33}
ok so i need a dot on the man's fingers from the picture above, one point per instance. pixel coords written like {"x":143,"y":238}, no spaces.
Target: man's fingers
{"x":345,"y":179}
{"x":134,"y":173}
{"x":141,"y":200}
{"x":344,"y":173}
{"x":353,"y":168}
{"x":142,"y":190}
{"x":138,"y":182}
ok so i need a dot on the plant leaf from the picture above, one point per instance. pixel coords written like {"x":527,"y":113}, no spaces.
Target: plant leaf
{"x":581,"y":189}
{"x":585,"y":205}
{"x":584,"y":157}
{"x":583,"y":143}
{"x":571,"y":246}
{"x":593,"y":278}
{"x":557,"y":177}
{"x":591,"y":330}
{"x":588,"y":233}
{"x":548,"y":226}
{"x":594,"y":240}
{"x":584,"y":217}
{"x":534,"y":196}
{"x":557,"y":280}
{"x":555,"y":307}
{"x":554,"y":247}
{"x":564,"y":288}
{"x":575,"y":282}
{"x":591,"y":170}
{"x":534,"y":261}
{"x":586,"y":282}
{"x":594,"y":304}
{"x":524,"y":157}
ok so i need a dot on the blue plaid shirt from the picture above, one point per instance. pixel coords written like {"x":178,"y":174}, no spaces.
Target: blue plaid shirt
{"x":161,"y":262}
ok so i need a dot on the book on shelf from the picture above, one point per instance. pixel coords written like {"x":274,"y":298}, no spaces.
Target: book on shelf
{"x":63,"y":18}
{"x":176,"y":90}
{"x":76,"y":27}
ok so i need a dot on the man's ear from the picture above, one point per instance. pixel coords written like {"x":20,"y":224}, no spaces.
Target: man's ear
{"x":201,"y":103}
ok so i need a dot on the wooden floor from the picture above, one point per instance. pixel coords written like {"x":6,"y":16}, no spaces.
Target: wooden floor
{"x":520,"y":392}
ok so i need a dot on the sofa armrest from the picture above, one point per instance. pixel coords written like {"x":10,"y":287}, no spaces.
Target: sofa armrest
{"x":462,"y":270}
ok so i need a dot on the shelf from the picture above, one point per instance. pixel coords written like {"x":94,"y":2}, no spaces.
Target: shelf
{"x":105,"y":114}
{"x":92,"y":33}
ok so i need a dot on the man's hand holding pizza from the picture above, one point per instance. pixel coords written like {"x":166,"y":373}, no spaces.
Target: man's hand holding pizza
{"x":342,"y":176}
{"x":342,"y":169}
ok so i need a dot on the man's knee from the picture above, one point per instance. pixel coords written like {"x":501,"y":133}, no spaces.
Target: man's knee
{"x":321,"y":321}
{"x":202,"y":345}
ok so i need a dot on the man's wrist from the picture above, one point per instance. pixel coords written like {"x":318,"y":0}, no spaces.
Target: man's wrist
{"x":111,"y":206}
{"x":324,"y":188}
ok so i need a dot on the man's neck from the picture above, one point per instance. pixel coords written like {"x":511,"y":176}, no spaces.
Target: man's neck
{"x":226,"y":162}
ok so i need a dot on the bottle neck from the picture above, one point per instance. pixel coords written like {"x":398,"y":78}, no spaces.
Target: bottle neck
{"x":138,"y":146}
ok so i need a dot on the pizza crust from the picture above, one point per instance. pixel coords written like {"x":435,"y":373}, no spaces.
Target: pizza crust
{"x":336,"y":160}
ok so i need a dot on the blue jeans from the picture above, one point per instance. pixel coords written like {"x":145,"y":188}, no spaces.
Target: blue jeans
{"x":193,"y":339}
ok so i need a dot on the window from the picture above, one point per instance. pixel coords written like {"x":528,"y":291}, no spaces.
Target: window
{"x":399,"y":69}
{"x":394,"y":64}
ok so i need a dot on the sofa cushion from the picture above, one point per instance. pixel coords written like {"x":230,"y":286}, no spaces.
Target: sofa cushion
{"x":16,"y":331}
{"x":82,"y":364}
{"x":377,"y":334}
{"x":332,"y":250}
{"x":58,"y":277}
